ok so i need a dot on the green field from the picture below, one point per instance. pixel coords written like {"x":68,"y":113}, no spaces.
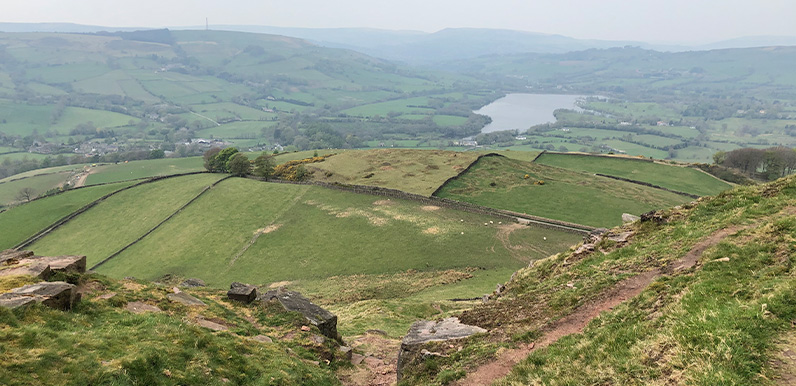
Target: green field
{"x":565,"y":195}
{"x":40,"y":184}
{"x":681,"y":179}
{"x":20,"y":222}
{"x":140,"y":169}
{"x":406,"y":256}
{"x":119,"y":220}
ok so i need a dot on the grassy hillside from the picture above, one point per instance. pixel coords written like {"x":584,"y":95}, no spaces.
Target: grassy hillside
{"x":23,"y":221}
{"x":257,"y":225}
{"x":101,"y":342}
{"x":577,"y":197}
{"x":9,"y":191}
{"x":392,"y":254}
{"x":140,"y":169}
{"x":414,"y":171}
{"x":119,"y":220}
{"x":676,"y":178}
{"x":715,"y":303}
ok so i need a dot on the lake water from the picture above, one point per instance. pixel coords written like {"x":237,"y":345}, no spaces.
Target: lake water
{"x":521,"y":111}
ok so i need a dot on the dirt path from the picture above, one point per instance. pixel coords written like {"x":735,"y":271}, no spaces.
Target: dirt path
{"x":81,"y":179}
{"x":577,"y":321}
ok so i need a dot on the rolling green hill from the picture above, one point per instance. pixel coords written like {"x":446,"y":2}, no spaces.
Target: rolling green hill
{"x":582,"y":198}
{"x":138,"y":90}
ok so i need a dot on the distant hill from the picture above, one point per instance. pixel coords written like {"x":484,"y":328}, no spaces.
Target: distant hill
{"x":60,"y":27}
{"x":415,"y":47}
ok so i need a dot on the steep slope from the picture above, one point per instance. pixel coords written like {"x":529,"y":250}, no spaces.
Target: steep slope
{"x":697,"y":294}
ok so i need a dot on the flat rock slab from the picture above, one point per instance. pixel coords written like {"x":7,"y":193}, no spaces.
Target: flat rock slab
{"x":356,"y":358}
{"x":262,"y":339}
{"x":294,"y":301}
{"x":242,"y":292}
{"x":430,"y":331}
{"x":66,"y":263}
{"x":10,"y":255}
{"x":13,"y":263}
{"x":186,"y":299}
{"x":211,"y":325}
{"x":37,"y":270}
{"x":15,"y":302}
{"x":193,"y":282}
{"x":140,"y":308}
{"x":58,"y":295}
{"x":426,"y":331}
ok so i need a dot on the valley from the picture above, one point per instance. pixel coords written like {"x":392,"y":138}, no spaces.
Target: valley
{"x":604,"y":216}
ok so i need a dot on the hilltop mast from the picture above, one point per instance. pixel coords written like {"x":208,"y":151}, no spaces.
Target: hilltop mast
{"x":207,"y":25}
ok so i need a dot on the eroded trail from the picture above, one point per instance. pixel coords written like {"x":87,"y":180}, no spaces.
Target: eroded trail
{"x":577,"y":321}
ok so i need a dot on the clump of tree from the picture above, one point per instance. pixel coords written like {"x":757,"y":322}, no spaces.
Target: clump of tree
{"x":763,"y":164}
{"x":239,"y":165}
{"x":216,"y":160}
{"x":264,"y":166}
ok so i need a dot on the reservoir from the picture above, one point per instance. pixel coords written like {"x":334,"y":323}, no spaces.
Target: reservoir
{"x":521,"y":111}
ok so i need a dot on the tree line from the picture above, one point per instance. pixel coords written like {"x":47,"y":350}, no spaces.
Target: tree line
{"x":762,"y":164}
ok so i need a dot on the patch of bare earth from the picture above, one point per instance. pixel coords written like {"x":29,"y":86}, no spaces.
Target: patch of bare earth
{"x":375,"y":360}
{"x":577,"y":321}
{"x":268,"y":229}
{"x":429,"y":208}
{"x":383,"y":203}
{"x":432,"y":231}
{"x":784,"y":361}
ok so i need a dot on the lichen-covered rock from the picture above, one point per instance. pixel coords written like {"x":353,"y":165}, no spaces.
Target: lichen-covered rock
{"x":242,"y":292}
{"x":426,"y":331}
{"x":188,"y":300}
{"x":294,"y":301}
{"x":193,"y":282}
{"x":59,"y":295}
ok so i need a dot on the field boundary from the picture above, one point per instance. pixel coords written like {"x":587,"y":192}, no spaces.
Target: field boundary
{"x":522,"y":218}
{"x":593,"y":155}
{"x":647,"y":184}
{"x":69,"y":217}
{"x":180,"y":209}
{"x":465,"y":170}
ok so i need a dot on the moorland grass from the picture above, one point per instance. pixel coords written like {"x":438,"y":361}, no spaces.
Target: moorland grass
{"x":499,"y":182}
{"x":677,"y":178}
{"x":413,"y":171}
{"x":122,"y":218}
{"x":715,"y":325}
{"x":23,"y":221}
{"x":98,"y":342}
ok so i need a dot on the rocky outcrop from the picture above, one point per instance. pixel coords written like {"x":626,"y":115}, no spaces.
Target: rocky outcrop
{"x":242,"y":292}
{"x":25,"y":263}
{"x":59,"y":295}
{"x":294,"y":301}
{"x":426,"y":331}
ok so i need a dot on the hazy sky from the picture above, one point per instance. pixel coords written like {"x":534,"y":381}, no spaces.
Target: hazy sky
{"x":682,"y":21}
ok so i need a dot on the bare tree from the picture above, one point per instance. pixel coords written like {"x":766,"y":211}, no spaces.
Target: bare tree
{"x":26,"y":194}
